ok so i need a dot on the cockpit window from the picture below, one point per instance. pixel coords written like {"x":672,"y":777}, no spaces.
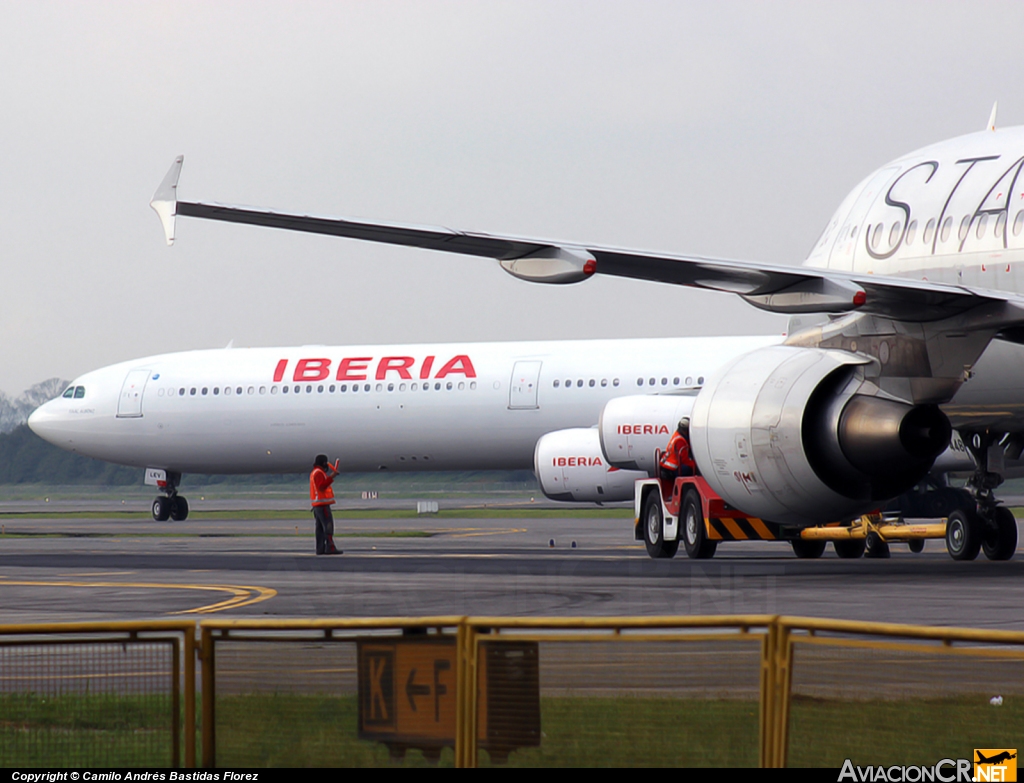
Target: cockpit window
{"x":79,"y":392}
{"x":69,"y":392}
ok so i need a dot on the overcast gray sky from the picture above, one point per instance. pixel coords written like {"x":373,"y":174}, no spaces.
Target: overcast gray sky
{"x":727,"y":129}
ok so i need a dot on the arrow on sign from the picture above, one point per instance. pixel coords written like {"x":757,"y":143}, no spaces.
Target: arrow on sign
{"x":412,"y":690}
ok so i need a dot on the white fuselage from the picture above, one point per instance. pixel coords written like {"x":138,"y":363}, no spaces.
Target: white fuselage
{"x":405,"y":407}
{"x":952,"y":212}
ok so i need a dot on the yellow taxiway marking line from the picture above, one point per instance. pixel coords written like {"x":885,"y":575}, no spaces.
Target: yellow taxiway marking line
{"x":488,"y":555}
{"x":469,"y":532}
{"x":99,"y":676}
{"x":241,"y":595}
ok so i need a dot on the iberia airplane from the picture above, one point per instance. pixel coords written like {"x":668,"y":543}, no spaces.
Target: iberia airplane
{"x":397,"y":407}
{"x":917,"y":279}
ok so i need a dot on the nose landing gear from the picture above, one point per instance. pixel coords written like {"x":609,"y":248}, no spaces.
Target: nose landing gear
{"x":170,"y":505}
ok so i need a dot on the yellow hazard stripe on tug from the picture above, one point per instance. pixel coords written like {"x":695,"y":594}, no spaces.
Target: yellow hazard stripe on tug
{"x":735,"y":531}
{"x":738,"y":529}
{"x":761,"y":529}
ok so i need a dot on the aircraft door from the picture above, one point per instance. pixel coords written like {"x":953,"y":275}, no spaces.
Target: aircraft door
{"x":523,"y":387}
{"x":129,"y":404}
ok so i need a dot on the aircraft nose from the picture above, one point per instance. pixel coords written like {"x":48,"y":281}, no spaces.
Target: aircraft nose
{"x":44,"y":422}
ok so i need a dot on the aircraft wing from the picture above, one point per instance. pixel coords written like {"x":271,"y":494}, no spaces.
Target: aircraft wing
{"x":777,"y":288}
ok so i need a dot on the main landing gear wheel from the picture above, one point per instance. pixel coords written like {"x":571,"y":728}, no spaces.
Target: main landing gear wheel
{"x":179,"y":508}
{"x":654,"y":529}
{"x":964,"y":534}
{"x":695,"y":537}
{"x":850,"y":548}
{"x":174,"y":507}
{"x":1000,"y":542}
{"x":808,"y":548}
{"x":161,"y":509}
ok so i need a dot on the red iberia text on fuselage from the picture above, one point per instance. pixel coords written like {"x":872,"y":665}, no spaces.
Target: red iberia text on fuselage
{"x":642,"y":429}
{"x":358,"y":368}
{"x":576,"y":462}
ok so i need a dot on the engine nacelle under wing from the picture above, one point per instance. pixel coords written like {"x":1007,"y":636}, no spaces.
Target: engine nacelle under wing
{"x":570,"y":466}
{"x":633,"y":428}
{"x":796,"y":435}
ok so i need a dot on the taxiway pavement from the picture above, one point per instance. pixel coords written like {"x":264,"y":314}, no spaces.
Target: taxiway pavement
{"x":62,"y":567}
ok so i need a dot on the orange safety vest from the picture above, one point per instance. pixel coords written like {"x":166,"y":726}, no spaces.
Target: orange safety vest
{"x":320,"y":492}
{"x":677,"y":453}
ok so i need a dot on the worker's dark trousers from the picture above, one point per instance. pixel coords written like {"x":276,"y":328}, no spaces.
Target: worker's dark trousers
{"x":324,"y":529}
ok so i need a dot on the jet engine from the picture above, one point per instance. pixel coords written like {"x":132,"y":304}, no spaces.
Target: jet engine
{"x":570,"y":466}
{"x":799,"y":437}
{"x":633,"y":428}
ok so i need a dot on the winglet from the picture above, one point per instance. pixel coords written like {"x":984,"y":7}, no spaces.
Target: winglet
{"x":165,"y":200}
{"x":992,"y":117}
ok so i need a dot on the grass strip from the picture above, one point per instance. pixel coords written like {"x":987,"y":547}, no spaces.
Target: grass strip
{"x":304,"y":730}
{"x":81,"y":730}
{"x":288,"y":730}
{"x":280,"y":730}
{"x":376,"y":513}
{"x":304,"y":532}
{"x":912,"y":732}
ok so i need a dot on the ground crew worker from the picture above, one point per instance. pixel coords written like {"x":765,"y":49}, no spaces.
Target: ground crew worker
{"x":676,"y":460}
{"x":322,"y":496}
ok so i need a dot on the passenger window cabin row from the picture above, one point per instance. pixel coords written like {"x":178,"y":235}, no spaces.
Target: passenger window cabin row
{"x":298,"y":388}
{"x":78,"y":392}
{"x":981,"y":224}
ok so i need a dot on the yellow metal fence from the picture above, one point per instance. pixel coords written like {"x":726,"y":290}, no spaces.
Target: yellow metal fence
{"x":691,"y":691}
{"x":90,"y":694}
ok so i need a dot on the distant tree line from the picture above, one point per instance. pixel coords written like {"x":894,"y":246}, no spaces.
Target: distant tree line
{"x":25,"y":458}
{"x":14,"y":413}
